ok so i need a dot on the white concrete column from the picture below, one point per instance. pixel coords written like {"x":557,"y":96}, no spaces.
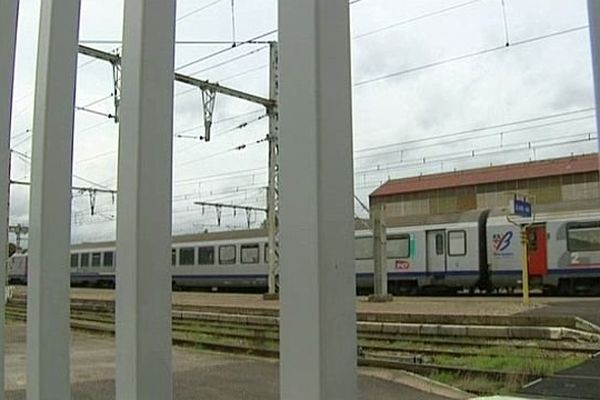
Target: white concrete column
{"x":48,"y":332}
{"x":8,"y":39}
{"x":380,"y":274}
{"x":143,"y":309}
{"x":318,"y":320}
{"x":594,"y":18}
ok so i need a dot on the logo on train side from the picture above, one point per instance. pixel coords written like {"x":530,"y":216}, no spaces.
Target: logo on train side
{"x":403,"y":265}
{"x":501,"y":242}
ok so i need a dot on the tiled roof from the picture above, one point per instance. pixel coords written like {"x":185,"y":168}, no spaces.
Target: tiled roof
{"x":504,"y":173}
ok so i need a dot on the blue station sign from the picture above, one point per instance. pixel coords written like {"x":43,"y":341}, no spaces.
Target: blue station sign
{"x":522,"y":208}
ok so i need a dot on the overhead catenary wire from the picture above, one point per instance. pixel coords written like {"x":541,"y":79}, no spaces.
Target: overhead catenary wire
{"x":199,"y":10}
{"x":452,"y":140}
{"x":96,"y":184}
{"x":237,"y":58}
{"x":219,"y":52}
{"x":226,"y":79}
{"x":483,"y":128}
{"x":582,"y":137}
{"x":220,"y":153}
{"x":467,"y":56}
{"x":417,"y":18}
{"x":98,"y":101}
{"x":181,"y":134}
{"x":94,"y":112}
{"x":177,"y":42}
{"x":351,"y":2}
{"x":271,"y":32}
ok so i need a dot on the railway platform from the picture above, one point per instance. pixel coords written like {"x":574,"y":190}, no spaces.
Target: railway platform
{"x":582,"y":381}
{"x":480,"y":344}
{"x":585,"y":308}
{"x":456,"y":305}
{"x":199,"y":374}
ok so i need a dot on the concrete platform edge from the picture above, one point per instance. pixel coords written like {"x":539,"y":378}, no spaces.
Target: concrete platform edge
{"x":416,"y":382}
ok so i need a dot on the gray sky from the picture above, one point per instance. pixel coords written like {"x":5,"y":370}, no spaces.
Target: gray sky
{"x":410,"y":106}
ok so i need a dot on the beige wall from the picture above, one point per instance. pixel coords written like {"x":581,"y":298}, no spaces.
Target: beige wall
{"x":540,"y":191}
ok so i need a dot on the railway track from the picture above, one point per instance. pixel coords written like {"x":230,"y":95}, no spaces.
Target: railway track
{"x":258,"y":335}
{"x":259,"y":346}
{"x":368,"y":341}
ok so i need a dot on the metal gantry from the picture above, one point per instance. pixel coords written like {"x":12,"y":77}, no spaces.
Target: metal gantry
{"x":8,"y":39}
{"x":209,"y":90}
{"x":220,"y":206}
{"x":19,"y":231}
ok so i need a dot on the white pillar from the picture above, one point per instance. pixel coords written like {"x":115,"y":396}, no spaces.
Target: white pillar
{"x":318,"y":320}
{"x":594,"y":18}
{"x":143,"y":309}
{"x":8,"y":38}
{"x":48,"y":332}
{"x":380,"y":275}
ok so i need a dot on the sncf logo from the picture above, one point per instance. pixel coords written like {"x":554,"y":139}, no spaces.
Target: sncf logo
{"x":502,"y":240}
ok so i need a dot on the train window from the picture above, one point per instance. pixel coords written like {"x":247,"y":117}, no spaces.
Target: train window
{"x":85,"y":259}
{"x":173,"y":257}
{"x":266,"y":253}
{"x":74,"y":260}
{"x":583,"y":236}
{"x":250,"y":253}
{"x":532,"y":240}
{"x":439,"y":244}
{"x":108,"y":259}
{"x":96,"y":258}
{"x":457,"y":243}
{"x":227,"y":254}
{"x":187,"y":256}
{"x":206,"y":255}
{"x":398,"y":246}
{"x":363,"y":248}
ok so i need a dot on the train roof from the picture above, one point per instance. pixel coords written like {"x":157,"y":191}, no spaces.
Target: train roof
{"x":196,"y":237}
{"x":437,"y":219}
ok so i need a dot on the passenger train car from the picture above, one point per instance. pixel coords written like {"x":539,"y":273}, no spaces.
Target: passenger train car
{"x":475,"y":250}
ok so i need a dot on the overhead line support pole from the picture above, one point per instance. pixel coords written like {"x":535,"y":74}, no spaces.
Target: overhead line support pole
{"x":8,"y":33}
{"x":271,"y":106}
{"x":273,"y":188}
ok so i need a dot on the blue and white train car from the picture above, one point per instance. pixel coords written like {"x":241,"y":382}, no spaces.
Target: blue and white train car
{"x":472,"y":250}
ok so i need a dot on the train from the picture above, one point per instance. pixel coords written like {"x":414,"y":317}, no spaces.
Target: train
{"x":474,"y":251}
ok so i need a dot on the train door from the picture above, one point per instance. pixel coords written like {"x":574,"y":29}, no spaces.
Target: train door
{"x":537,"y":251}
{"x":436,"y":251}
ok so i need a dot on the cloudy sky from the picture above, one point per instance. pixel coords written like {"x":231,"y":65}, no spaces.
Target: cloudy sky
{"x":435,"y":89}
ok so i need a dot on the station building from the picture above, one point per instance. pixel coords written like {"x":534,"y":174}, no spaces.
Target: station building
{"x":568,"y":179}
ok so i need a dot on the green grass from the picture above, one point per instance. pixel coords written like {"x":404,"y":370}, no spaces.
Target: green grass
{"x":477,"y":385}
{"x":513,"y":363}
